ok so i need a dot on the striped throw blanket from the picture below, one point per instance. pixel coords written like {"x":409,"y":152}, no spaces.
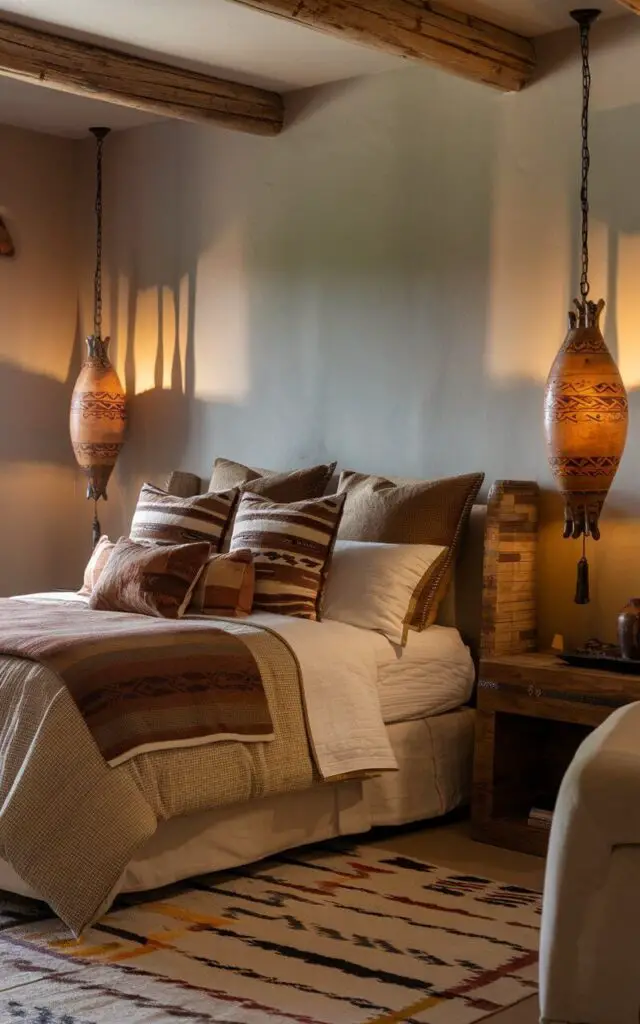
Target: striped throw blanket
{"x":140,"y":683}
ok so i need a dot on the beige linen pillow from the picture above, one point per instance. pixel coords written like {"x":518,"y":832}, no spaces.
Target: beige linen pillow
{"x":226,"y":585}
{"x":376,"y":586}
{"x":291,"y":546}
{"x":150,"y":579}
{"x":426,"y":512}
{"x":295,"y":485}
{"x":99,"y":558}
{"x":168,"y":519}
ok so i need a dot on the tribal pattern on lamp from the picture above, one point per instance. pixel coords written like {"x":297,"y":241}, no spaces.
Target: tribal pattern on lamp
{"x":586,"y":416}
{"x":98,"y":417}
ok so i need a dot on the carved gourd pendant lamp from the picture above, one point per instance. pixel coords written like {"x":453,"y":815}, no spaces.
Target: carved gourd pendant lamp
{"x":98,"y":413}
{"x":586,"y":409}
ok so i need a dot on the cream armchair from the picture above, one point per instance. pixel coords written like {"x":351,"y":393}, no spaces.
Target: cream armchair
{"x":590,"y":949}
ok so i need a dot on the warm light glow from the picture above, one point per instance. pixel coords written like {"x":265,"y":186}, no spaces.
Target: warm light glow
{"x":531,"y":255}
{"x":222,"y":321}
{"x":154,"y":320}
{"x":628,"y":309}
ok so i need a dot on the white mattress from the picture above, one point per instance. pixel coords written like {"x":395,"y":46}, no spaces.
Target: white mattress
{"x":434,"y":776}
{"x":432,"y":674}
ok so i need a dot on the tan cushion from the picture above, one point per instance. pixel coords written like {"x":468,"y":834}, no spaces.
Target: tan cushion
{"x":295,"y":485}
{"x":150,"y":579}
{"x":424,"y":512}
{"x":168,"y":519}
{"x":226,"y":585}
{"x":291,"y":546}
{"x":99,"y":558}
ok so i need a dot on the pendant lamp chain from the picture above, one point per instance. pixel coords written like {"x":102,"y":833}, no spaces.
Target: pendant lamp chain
{"x":585,"y":29}
{"x":586,"y":410}
{"x":100,"y":135}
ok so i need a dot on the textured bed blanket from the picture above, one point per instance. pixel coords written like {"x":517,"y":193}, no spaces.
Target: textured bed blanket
{"x":69,"y":823}
{"x":143,"y":683}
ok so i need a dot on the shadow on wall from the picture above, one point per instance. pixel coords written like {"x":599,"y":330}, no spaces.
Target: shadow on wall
{"x":33,"y":407}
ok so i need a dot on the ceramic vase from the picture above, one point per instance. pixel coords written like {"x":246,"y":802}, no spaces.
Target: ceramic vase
{"x":629,"y":630}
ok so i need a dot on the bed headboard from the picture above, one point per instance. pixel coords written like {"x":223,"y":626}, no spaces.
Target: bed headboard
{"x":492,"y":600}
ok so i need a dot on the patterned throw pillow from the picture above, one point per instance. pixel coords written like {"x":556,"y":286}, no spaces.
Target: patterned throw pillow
{"x":226,"y":585}
{"x":291,"y":546}
{"x":425,"y":512}
{"x":150,"y":579}
{"x":168,"y":519}
{"x":99,"y":558}
{"x":296,"y":485}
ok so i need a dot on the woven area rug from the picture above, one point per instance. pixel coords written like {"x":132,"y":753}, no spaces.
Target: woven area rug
{"x":360,"y":936}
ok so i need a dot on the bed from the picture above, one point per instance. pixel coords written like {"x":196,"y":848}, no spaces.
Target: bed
{"x":424,"y":698}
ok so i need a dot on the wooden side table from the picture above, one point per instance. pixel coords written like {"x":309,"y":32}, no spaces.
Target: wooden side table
{"x":533,"y":712}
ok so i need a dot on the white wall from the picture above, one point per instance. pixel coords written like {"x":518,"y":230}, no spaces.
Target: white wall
{"x":385,"y":284}
{"x":42,"y":513}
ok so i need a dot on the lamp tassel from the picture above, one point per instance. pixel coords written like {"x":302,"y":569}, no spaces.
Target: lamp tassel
{"x":582,"y":585}
{"x":96,"y":530}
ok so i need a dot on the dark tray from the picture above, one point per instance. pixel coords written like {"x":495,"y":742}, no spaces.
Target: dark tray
{"x":605,"y":662}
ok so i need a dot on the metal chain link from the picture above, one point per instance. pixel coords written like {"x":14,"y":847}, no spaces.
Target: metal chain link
{"x":97,"y":307}
{"x":586,"y":159}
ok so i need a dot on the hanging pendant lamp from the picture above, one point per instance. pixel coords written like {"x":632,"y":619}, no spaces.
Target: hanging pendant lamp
{"x":586,"y":409}
{"x":98,"y":414}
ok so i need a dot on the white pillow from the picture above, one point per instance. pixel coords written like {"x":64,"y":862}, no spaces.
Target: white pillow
{"x":375,"y":586}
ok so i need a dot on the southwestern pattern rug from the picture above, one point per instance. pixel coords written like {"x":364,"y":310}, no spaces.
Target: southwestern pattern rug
{"x":358,"y":936}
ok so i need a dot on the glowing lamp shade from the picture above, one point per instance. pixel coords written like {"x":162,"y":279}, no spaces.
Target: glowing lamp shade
{"x":586,"y":414}
{"x":98,"y":417}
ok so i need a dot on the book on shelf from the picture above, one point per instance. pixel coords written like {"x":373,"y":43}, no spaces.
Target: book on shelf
{"x":541,"y":818}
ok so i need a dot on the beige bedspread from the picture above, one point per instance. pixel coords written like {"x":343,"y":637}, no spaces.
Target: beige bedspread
{"x":69,"y":823}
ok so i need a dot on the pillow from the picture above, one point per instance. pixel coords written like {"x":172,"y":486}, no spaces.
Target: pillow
{"x":292,"y":546}
{"x":151,"y":579}
{"x":168,"y":519}
{"x":226,"y":585}
{"x":376,"y":586}
{"x":99,"y":558}
{"x":425,"y":512}
{"x":296,"y":485}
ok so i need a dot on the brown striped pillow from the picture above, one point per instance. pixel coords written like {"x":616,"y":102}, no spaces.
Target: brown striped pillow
{"x":99,"y":558}
{"x":294,"y":485}
{"x":292,"y":546}
{"x":150,"y":579}
{"x":168,"y":519}
{"x":226,"y":585}
{"x":420,"y":512}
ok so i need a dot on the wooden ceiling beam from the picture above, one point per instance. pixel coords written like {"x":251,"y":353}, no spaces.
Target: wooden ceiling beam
{"x":423,"y":30}
{"x":116,"y":77}
{"x":632,"y":5}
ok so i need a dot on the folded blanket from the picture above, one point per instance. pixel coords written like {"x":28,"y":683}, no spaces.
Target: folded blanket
{"x":143,"y":683}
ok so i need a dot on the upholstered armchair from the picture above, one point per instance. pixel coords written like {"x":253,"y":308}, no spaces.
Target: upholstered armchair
{"x":590,"y":952}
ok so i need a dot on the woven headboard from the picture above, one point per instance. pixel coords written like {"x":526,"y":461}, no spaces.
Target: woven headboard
{"x":493,"y":597}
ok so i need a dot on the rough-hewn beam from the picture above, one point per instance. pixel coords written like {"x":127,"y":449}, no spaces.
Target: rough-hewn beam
{"x":633,"y":5}
{"x":421,"y":30}
{"x":106,"y":74}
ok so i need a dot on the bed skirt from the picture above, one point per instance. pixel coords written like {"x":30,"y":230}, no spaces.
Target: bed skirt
{"x":434,"y":758}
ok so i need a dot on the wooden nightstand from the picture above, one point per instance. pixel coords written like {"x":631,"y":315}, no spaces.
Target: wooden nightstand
{"x":533,"y":712}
